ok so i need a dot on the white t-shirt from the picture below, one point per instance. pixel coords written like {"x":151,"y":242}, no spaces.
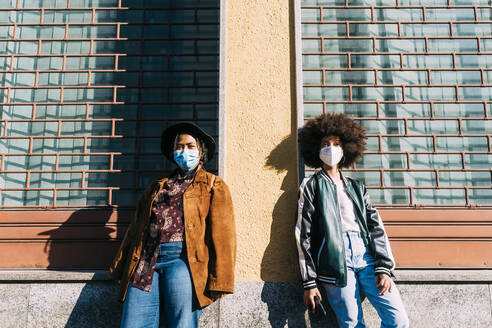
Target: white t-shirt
{"x":349,"y":222}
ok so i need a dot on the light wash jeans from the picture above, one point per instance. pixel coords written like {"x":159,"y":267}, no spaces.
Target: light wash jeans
{"x":345,"y":301}
{"x":171,"y":301}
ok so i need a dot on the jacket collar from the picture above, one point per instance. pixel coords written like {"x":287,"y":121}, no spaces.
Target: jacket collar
{"x":347,"y":185}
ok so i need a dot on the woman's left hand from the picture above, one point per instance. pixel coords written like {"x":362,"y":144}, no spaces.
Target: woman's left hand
{"x":384,"y":283}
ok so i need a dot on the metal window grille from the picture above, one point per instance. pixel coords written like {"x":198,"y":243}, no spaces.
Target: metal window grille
{"x":87,"y":86}
{"x":418,"y":76}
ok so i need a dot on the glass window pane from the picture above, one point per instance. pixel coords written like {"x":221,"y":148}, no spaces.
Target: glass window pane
{"x":427,"y":61}
{"x":481,"y":61}
{"x":65,"y":47}
{"x":311,"y":110}
{"x":480,"y":196}
{"x":439,"y":196}
{"x":405,"y":110}
{"x":324,"y":61}
{"x":325,"y":94}
{"x":389,"y":196}
{"x":413,"y":15}
{"x":376,"y":93}
{"x":452,"y":45}
{"x":478,"y":161}
{"x":310,"y":15}
{"x":430,"y":93}
{"x":461,"y":144}
{"x":383,"y":126}
{"x":84,"y":162}
{"x":67,"y":16}
{"x":414,"y":179}
{"x":476,"y":126}
{"x":69,"y":145}
{"x":313,"y":77}
{"x":57,"y":79}
{"x":475,"y":93}
{"x":87,"y":32}
{"x":81,"y":197}
{"x":460,"y":178}
{"x":450,"y":14}
{"x":12,"y":180}
{"x":423,"y":144}
{"x":374,"y":61}
{"x":93,"y":3}
{"x":88,"y":95}
{"x":60,"y":111}
{"x":402,"y":77}
{"x":353,"y":109}
{"x":310,"y":45}
{"x":351,"y":14}
{"x":372,"y":144}
{"x":433,"y":127}
{"x":386,"y":161}
{"x":38,"y":63}
{"x":42,"y":4}
{"x":349,"y":77}
{"x":459,"y":110}
{"x":82,"y":63}
{"x":347,"y":45}
{"x":469,"y":29}
{"x":456,"y":77}
{"x":360,"y":29}
{"x":435,"y":161}
{"x":40,"y":32}
{"x":58,"y":180}
{"x":484,"y":14}
{"x":425,"y":30}
{"x":404,"y":45}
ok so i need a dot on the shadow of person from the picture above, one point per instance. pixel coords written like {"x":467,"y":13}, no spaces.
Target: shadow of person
{"x":279,"y":268}
{"x":85,"y":243}
{"x":282,"y":291}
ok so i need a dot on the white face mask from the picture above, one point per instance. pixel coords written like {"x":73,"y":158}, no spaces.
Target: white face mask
{"x":331,"y":155}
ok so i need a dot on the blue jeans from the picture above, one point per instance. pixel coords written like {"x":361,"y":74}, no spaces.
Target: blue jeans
{"x":346,"y":302}
{"x":171,"y":301}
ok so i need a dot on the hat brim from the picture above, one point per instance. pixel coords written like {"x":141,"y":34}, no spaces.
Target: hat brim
{"x":169,"y":135}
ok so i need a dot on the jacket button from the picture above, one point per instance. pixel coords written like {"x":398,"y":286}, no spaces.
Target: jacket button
{"x":191,"y":225}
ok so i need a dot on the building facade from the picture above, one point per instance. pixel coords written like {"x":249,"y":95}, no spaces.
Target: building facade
{"x":89,"y":85}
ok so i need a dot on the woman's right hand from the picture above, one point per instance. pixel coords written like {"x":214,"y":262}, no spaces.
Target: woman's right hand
{"x":309,"y":295}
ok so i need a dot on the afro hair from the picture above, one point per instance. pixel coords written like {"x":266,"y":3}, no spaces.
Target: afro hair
{"x":351,"y":133}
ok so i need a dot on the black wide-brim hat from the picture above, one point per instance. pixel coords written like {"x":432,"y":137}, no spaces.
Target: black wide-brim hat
{"x":169,"y":135}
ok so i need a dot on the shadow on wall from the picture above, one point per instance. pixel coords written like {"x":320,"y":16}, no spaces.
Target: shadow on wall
{"x":85,"y":240}
{"x":282,"y":292}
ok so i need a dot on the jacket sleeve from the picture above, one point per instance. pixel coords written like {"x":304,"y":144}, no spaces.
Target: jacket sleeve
{"x":385,"y":262}
{"x":305,"y":213}
{"x":223,"y":234}
{"x":116,"y":268}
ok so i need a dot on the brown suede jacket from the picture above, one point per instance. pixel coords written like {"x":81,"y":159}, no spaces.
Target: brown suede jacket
{"x":210,"y":236}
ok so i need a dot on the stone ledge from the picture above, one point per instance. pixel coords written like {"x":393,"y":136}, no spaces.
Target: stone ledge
{"x":36,"y":275}
{"x":402,"y":275}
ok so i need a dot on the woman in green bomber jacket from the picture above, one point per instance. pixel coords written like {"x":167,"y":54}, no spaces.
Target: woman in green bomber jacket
{"x":341,"y":240}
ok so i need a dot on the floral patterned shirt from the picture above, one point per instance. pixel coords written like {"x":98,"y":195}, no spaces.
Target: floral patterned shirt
{"x":166,"y":225}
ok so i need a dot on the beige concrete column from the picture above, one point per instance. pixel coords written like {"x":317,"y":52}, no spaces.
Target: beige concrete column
{"x":260,"y":136}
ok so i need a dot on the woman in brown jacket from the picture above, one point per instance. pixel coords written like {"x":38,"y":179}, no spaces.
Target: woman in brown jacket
{"x":178,"y":253}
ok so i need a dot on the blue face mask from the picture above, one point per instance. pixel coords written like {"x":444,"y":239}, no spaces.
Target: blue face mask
{"x":186,"y":158}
